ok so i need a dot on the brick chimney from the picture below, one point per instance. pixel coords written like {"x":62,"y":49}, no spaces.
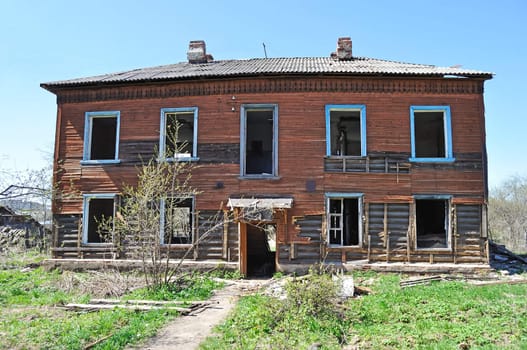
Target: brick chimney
{"x":343,"y":52}
{"x":197,"y":52}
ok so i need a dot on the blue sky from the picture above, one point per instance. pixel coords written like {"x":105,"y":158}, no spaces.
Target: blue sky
{"x":42,"y":41}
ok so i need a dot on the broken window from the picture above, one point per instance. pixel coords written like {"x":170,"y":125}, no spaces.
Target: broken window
{"x":344,"y":227}
{"x":346,"y":130}
{"x":176,"y":221}
{"x":431,"y":134}
{"x":101,"y":137}
{"x":96,"y":208}
{"x":179,"y":133}
{"x":432,"y":223}
{"x":259,"y":140}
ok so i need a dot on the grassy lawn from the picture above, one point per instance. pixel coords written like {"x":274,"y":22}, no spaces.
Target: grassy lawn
{"x":443,"y":315}
{"x":31,"y":316}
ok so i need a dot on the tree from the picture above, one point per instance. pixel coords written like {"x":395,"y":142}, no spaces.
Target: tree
{"x":508,"y":214}
{"x":150,"y":215}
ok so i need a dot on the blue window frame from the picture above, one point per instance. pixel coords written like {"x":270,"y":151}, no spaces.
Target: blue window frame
{"x":177,"y":220}
{"x":95,"y":207}
{"x":433,"y":224}
{"x":259,"y":141}
{"x":344,"y":219}
{"x":431,"y":134}
{"x":101,"y":137}
{"x":346,"y":130}
{"x":179,"y":134}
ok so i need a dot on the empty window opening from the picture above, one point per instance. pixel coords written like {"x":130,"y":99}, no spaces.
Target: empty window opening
{"x":431,"y":223}
{"x":344,"y":221}
{"x":179,"y":135}
{"x":177,"y":221}
{"x":260,"y":141}
{"x":261,"y":250}
{"x":429,"y":134}
{"x":103,"y":138}
{"x":98,"y":208}
{"x":345,"y":132}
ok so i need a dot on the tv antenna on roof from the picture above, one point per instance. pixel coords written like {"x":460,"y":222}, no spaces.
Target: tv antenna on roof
{"x":265,"y":51}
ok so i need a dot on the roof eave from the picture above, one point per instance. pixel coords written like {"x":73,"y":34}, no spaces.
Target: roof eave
{"x":54,"y":88}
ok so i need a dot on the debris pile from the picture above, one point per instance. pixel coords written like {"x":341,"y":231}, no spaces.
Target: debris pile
{"x":506,"y":261}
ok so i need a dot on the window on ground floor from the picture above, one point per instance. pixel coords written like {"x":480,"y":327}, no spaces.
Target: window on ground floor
{"x":259,"y":141}
{"x":344,"y":215}
{"x":177,"y":220}
{"x":346,"y":130}
{"x":432,"y":223}
{"x":101,"y":137}
{"x":96,"y":208}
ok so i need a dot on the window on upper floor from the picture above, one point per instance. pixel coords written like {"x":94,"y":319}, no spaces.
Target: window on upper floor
{"x":432,"y":222}
{"x":344,"y":213}
{"x":101,"y":137}
{"x":259,"y":141}
{"x":177,"y":220}
{"x":431,"y":134}
{"x":96,"y":208}
{"x":345,"y":130}
{"x":179,"y":133}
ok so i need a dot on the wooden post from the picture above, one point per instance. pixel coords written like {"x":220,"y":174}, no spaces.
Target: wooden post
{"x":385,"y":223}
{"x":79,"y":239}
{"x":366,"y":215}
{"x":225,"y":235}
{"x":387,"y":247}
{"x":195,"y":253}
{"x":487,"y":246}
{"x":242,"y":249}
{"x":408,"y":233}
{"x":454,"y":232}
{"x":369,"y":248}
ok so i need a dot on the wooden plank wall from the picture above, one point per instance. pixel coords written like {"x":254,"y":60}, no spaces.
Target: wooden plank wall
{"x":301,"y":147}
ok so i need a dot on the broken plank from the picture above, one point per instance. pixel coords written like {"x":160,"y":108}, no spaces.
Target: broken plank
{"x":419,"y":281}
{"x":96,"y":307}
{"x":152,"y":302}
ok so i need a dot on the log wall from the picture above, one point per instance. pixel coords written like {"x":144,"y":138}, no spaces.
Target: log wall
{"x":384,"y":177}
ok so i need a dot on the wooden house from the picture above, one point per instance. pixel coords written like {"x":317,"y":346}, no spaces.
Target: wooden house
{"x":346,"y":159}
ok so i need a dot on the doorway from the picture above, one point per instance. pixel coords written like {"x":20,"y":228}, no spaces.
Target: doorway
{"x":258,"y":249}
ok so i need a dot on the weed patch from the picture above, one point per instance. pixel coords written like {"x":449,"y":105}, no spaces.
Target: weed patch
{"x":31,"y":315}
{"x":443,"y":315}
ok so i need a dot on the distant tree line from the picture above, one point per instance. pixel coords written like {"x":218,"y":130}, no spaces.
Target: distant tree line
{"x":508,"y":214}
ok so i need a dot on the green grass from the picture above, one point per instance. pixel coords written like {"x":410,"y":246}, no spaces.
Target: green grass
{"x":443,"y":315}
{"x":31,"y":315}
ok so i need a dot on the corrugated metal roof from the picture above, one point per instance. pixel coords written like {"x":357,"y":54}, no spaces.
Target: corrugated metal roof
{"x":272,"y":66}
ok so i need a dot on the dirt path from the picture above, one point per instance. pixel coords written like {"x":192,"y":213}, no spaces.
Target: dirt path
{"x":187,"y":332}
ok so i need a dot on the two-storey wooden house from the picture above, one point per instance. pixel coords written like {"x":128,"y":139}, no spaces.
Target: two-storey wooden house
{"x":347,"y":158}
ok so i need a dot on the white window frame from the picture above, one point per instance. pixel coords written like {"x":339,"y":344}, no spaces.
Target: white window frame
{"x":86,"y":213}
{"x":443,"y":197}
{"x":447,"y":125}
{"x":334,"y":196}
{"x":355,"y":108}
{"x":162,"y":222}
{"x":243,"y":140}
{"x":163,"y":136}
{"x":88,"y":128}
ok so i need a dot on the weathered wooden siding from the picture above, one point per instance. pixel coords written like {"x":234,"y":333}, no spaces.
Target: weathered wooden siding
{"x":384,"y":176}
{"x":387,"y":235}
{"x":308,"y":251}
{"x":469,"y":244}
